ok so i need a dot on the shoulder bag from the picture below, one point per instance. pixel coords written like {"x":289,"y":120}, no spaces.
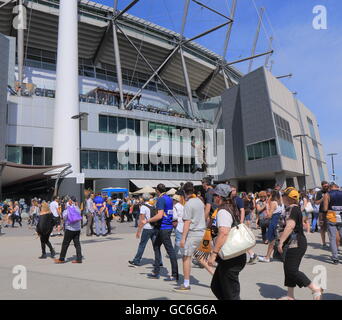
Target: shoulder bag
{"x":240,"y":240}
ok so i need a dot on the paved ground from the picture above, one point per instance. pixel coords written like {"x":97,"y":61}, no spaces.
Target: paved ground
{"x":105,"y":273}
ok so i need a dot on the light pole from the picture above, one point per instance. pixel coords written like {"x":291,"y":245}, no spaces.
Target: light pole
{"x":300,"y":136}
{"x":81,"y":116}
{"x":332,"y":164}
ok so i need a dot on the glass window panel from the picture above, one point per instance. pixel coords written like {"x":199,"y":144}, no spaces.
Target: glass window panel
{"x":250,"y":152}
{"x":113,"y":160}
{"x":273,"y":147}
{"x":103,"y":160}
{"x":122,"y":124}
{"x":265,"y":149}
{"x":27,"y":155}
{"x":84,"y":159}
{"x":137,"y":127}
{"x":160,"y":167}
{"x":257,"y":151}
{"x":48,"y":156}
{"x":93,"y":160}
{"x":38,"y":156}
{"x":153,"y":167}
{"x":103,"y":123}
{"x":113,"y":124}
{"x":14,"y":154}
{"x":130,"y":124}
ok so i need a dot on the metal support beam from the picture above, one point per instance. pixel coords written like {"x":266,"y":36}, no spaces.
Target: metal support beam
{"x":207,"y":80}
{"x":185,"y":14}
{"x":20,"y":38}
{"x":211,"y":9}
{"x":160,"y":68}
{"x":2,"y":167}
{"x":186,"y":79}
{"x":132,"y":4}
{"x":167,"y":64}
{"x":229,"y":31}
{"x":117,"y":58}
{"x":249,"y":58}
{"x":269,"y":56}
{"x":102,"y":43}
{"x":286,"y":76}
{"x":206,"y":32}
{"x":227,"y":78}
{"x":256,"y":39}
{"x":149,"y":65}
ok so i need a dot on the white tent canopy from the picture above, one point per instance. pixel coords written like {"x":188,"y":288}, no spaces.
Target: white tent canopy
{"x":146,"y":189}
{"x":171,"y":192}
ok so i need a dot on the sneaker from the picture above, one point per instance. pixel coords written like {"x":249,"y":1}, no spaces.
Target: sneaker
{"x":253,"y":259}
{"x":153,"y":276}
{"x":182,"y":288}
{"x":335,"y":262}
{"x":171,"y":279}
{"x":324,"y":246}
{"x":57,"y":261}
{"x":134,"y":264}
{"x":263,"y":259}
{"x":43,"y":256}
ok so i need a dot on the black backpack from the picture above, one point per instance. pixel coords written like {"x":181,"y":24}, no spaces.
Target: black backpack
{"x":153,"y":212}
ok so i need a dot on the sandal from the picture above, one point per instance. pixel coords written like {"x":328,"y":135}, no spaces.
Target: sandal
{"x":317,"y":295}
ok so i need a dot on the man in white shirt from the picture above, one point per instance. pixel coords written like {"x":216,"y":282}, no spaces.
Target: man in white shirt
{"x":178,"y":211}
{"x":55,"y":210}
{"x":193,"y":231}
{"x":148,"y":231}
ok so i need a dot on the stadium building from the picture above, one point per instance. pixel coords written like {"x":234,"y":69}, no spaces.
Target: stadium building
{"x":71,"y":79}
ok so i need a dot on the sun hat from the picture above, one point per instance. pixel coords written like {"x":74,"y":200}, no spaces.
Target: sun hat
{"x":223,"y":190}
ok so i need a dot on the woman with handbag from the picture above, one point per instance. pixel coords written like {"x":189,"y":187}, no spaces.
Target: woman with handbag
{"x":225,"y":283}
{"x":263,"y":220}
{"x":294,"y":249}
{"x":306,"y":208}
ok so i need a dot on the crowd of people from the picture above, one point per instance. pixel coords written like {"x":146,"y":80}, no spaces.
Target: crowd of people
{"x":201,"y":222}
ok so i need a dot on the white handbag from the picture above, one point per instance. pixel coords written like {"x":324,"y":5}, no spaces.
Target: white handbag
{"x":309,"y":208}
{"x":240,"y":240}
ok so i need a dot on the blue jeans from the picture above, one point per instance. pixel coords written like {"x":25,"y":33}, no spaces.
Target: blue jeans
{"x":178,"y":240}
{"x":314,"y":221}
{"x":332,"y":230}
{"x":146,"y":235}
{"x":100,"y":223}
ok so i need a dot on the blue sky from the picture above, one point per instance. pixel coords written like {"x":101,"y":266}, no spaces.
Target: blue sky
{"x":314,"y":57}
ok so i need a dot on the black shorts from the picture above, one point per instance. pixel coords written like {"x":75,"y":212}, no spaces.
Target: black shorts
{"x":57,"y":221}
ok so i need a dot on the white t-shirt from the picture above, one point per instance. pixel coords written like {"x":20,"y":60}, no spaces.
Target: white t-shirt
{"x":147,"y":212}
{"x":178,"y":211}
{"x":224,"y":219}
{"x":54,"y":208}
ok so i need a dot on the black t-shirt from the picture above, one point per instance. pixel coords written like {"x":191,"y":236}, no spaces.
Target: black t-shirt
{"x":209,"y":199}
{"x":5,"y":209}
{"x":297,"y":217}
{"x":319,"y":196}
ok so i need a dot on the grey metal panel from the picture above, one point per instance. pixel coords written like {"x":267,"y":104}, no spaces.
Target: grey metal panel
{"x":258,"y":122}
{"x":4,"y":63}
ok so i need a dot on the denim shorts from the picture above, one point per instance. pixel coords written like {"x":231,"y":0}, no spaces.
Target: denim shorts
{"x":248,"y":217}
{"x":272,"y":229}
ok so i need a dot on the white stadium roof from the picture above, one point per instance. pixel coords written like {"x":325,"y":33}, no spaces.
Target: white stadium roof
{"x":96,"y":43}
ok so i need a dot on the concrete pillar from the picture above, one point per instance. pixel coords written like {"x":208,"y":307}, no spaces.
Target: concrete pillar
{"x":280,"y":178}
{"x":66,"y":130}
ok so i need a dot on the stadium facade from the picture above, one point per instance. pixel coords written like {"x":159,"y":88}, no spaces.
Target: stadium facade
{"x":80,"y":102}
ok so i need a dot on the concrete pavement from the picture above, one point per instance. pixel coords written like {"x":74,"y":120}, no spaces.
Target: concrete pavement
{"x":105,"y":273}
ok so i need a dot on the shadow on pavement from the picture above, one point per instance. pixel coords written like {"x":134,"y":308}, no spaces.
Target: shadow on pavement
{"x":322,"y":258}
{"x":317,"y":246}
{"x":331,"y":296}
{"x":271,"y":291}
{"x":94,"y":240}
{"x":160,"y":298}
